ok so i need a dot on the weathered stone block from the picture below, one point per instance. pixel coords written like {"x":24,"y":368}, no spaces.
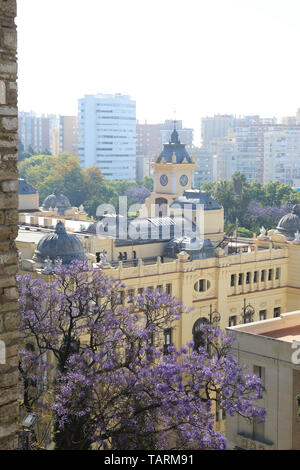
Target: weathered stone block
{"x":8,"y":67}
{"x":9,"y":186}
{"x":8,"y":306}
{"x":11,"y":217}
{"x":10,"y":39}
{"x":9,"y":258}
{"x":10,"y":124}
{"x":8,"y":8}
{"x":8,"y":201}
{"x":7,"y":429}
{"x":7,"y":282}
{"x":11,"y":321}
{"x":9,"y":379}
{"x":11,"y":293}
{"x":9,"y":395}
{"x":8,"y":111}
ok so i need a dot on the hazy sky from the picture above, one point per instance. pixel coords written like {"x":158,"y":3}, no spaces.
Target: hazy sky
{"x":198,"y":56}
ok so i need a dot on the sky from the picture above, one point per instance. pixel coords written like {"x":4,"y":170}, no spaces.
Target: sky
{"x":199,"y":57}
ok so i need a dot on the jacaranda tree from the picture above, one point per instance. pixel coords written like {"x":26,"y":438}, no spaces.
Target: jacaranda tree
{"x":112,"y":383}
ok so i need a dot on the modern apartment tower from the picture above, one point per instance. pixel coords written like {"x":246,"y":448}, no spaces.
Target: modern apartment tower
{"x":107,"y":134}
{"x":36,"y":131}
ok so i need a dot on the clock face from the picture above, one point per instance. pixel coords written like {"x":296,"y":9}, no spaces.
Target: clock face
{"x":184,"y":180}
{"x":164,"y":180}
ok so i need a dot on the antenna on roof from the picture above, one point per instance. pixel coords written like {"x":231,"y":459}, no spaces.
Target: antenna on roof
{"x":174,"y":119}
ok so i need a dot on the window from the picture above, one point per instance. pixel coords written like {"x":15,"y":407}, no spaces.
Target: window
{"x":232,"y":320}
{"x":169,"y":288}
{"x":262,"y":275}
{"x":130,"y":295}
{"x":248,"y":277}
{"x":167,"y":339}
{"x":160,"y":288}
{"x":255,"y":276}
{"x":240,"y":282}
{"x":134,"y":254}
{"x":262,"y":314}
{"x":277,"y":311}
{"x":140,"y":290}
{"x":198,"y":339}
{"x":120,"y":297}
{"x":232,"y":280}
{"x":260,"y":372}
{"x":202,"y":285}
{"x":125,"y":255}
{"x":277,"y":273}
{"x":270,"y":275}
{"x":258,"y":430}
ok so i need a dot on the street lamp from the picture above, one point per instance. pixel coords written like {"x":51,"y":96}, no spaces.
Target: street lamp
{"x":28,"y":426}
{"x":247,"y":313}
{"x":214,"y":319}
{"x":214,"y":316}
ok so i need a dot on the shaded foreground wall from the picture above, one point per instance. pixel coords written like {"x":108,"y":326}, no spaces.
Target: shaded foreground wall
{"x":8,"y":227}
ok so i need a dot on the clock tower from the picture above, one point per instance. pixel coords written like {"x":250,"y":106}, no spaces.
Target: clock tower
{"x":173,"y":174}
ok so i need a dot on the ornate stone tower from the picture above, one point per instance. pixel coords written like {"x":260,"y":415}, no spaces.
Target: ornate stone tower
{"x":173,"y":173}
{"x":9,"y":334}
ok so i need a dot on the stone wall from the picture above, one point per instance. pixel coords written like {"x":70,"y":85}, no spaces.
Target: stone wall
{"x":8,"y":227}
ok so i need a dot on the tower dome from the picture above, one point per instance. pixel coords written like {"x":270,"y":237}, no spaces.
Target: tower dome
{"x":289,"y":224}
{"x":57,"y":201}
{"x":59,"y":244}
{"x":174,"y":147}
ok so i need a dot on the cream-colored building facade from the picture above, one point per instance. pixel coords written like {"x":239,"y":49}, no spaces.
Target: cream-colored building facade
{"x":221,"y":275}
{"x":264,"y":270}
{"x":270,"y":349}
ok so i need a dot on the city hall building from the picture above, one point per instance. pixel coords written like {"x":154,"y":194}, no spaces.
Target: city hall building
{"x":177,"y":244}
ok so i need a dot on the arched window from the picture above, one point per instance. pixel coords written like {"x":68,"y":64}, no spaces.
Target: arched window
{"x":161,"y":207}
{"x":134,"y":254}
{"x":120,"y":257}
{"x":198,"y":339}
{"x":125,"y":255}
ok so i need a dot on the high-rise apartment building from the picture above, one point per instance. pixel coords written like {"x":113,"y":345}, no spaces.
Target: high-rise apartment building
{"x":148,"y":139}
{"x":223,"y":150}
{"x":36,"y":131}
{"x":282,"y":155}
{"x":204,"y":160}
{"x":107,"y":134}
{"x":214,"y":127}
{"x":65,"y":137}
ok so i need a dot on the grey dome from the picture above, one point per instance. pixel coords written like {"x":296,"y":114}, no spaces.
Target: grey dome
{"x":59,"y":244}
{"x":57,"y":201}
{"x":289,"y":224}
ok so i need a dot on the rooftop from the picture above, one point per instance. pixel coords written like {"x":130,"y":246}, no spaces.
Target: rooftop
{"x":286,"y":327}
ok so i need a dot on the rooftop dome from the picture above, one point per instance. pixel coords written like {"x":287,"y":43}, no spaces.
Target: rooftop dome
{"x":289,"y":224}
{"x":174,"y":147}
{"x":59,"y":244}
{"x":57,"y":201}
